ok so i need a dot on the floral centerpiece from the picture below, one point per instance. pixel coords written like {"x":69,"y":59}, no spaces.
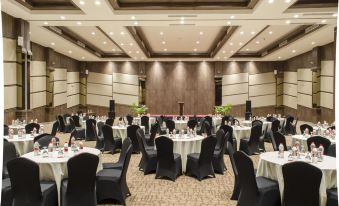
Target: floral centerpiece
{"x":223,"y":110}
{"x":139,"y":109}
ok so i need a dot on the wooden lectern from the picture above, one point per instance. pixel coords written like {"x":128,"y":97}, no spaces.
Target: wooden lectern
{"x":181,"y":108}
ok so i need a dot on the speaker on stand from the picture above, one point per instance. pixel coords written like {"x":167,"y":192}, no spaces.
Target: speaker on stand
{"x":248,"y":113}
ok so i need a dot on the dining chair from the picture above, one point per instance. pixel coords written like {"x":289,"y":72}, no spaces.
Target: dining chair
{"x":251,"y":145}
{"x":91,"y":132}
{"x":332,"y":197}
{"x":303,"y":127}
{"x":9,"y":153}
{"x":6,"y":129}
{"x":148,"y":161}
{"x":111,"y":143}
{"x":118,"y":165}
{"x":55,"y":128}
{"x":318,"y":140}
{"x":132,"y":133}
{"x":301,"y":176}
{"x":236,"y":187}
{"x":6,"y":192}
{"x":219,"y":151}
{"x":278,"y":139}
{"x":29,"y":127}
{"x":144,"y":121}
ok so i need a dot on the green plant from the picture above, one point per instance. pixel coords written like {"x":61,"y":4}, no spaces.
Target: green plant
{"x":139,"y":108}
{"x":223,"y":110}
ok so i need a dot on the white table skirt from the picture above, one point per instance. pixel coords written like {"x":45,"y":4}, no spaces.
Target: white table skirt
{"x":180,"y":125}
{"x":270,"y":166}
{"x":22,"y":145}
{"x":55,"y":169}
{"x":303,"y":140}
{"x":186,"y":145}
{"x":121,"y":131}
{"x":241,"y":132}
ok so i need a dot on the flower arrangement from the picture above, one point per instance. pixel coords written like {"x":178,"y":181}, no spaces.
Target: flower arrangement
{"x":139,"y":109}
{"x":223,"y":110}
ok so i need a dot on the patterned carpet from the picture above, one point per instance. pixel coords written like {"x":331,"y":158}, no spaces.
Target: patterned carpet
{"x":146,"y":190}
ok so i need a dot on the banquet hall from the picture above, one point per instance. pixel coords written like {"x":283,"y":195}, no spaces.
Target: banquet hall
{"x":181,"y":102}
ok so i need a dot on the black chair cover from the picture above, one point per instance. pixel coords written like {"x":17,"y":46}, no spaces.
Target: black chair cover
{"x":76,"y":120}
{"x":132,"y":134}
{"x":318,"y":140}
{"x":129,"y":119}
{"x":29,"y":127}
{"x":251,"y":146}
{"x":55,"y":128}
{"x":278,"y":139}
{"x":148,"y":162}
{"x":144,"y":120}
{"x":218,"y":157}
{"x":118,"y":165}
{"x":303,"y":127}
{"x":236,"y":187}
{"x":109,"y":121}
{"x":110,"y":143}
{"x":9,"y":153}
{"x":6,"y":128}
{"x":91,"y":132}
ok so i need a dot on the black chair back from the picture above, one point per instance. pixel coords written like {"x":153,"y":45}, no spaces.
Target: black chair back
{"x":228,"y":129}
{"x":129,"y":119}
{"x":45,"y":140}
{"x":165,"y":154}
{"x":76,"y":120}
{"x":71,"y":124}
{"x":25,"y":182}
{"x":318,"y":140}
{"x":100,"y":125}
{"x":127,"y":158}
{"x":109,"y":143}
{"x":247,"y":180}
{"x":36,"y":138}
{"x":257,"y":122}
{"x":269,"y":119}
{"x":301,"y":176}
{"x":278,"y":139}
{"x":332,"y":150}
{"x":192,"y":123}
{"x":275,"y":125}
{"x":209,"y":120}
{"x":207,"y":150}
{"x":62,"y":124}
{"x":256,"y":132}
{"x":126,"y":144}
{"x":154,"y":130}
{"x":303,"y":127}
{"x":225,"y":120}
{"x":91,"y":132}
{"x":9,"y":153}
{"x":29,"y":127}
{"x":73,"y":134}
{"x":109,"y":121}
{"x":55,"y":128}
{"x":81,"y":182}
{"x":132,"y":134}
{"x":236,"y":189}
{"x":220,"y":135}
{"x":289,"y":124}
{"x":170,"y":125}
{"x":144,"y":120}
{"x":6,"y":128}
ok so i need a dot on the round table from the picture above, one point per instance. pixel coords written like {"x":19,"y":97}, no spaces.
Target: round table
{"x":16,"y":127}
{"x":322,"y":130}
{"x":303,"y":140}
{"x":241,"y":132}
{"x":185,"y":145}
{"x":180,"y":124}
{"x":152,"y":120}
{"x":121,"y":131}
{"x":270,"y":166}
{"x":53,"y":168}
{"x":22,"y":145}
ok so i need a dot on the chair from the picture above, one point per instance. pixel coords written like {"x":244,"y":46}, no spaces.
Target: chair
{"x":288,"y":129}
{"x":269,"y":119}
{"x":200,"y":164}
{"x":6,"y":193}
{"x":262,"y":137}
{"x":205,"y":128}
{"x":91,"y":133}
{"x":109,"y":121}
{"x":148,"y":162}
{"x":192,"y":123}
{"x":9,"y":153}
{"x":6,"y":129}
{"x":294,"y":127}
{"x":226,"y":119}
{"x":129,"y":119}
{"x":67,"y":115}
{"x":76,"y":120}
{"x":29,"y":127}
{"x":318,"y":140}
{"x":71,"y":126}
{"x":209,"y":119}
{"x":154,"y":130}
{"x":169,"y":163}
{"x":236,"y":187}
{"x":254,"y":191}
{"x":45,"y":140}
{"x":99,"y":126}
{"x":275,"y":125}
{"x":331,"y":150}
{"x":218,"y":156}
{"x":26,"y":186}
{"x":231,"y":139}
{"x":257,"y":122}
{"x":141,"y":135}
{"x":170,"y":125}
{"x":111,"y":183}
{"x":332,"y":197}
{"x":79,"y":188}
{"x":144,"y":120}
{"x":62,"y":125}
{"x":251,"y":145}
{"x":118,"y":165}
{"x":132,"y":133}
{"x":110,"y":143}
{"x":278,"y":139}
{"x":36,"y":138}
{"x":55,"y":128}
{"x":303,"y":127}
{"x":295,"y":181}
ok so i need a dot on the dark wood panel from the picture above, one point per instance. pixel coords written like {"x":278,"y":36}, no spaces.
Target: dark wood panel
{"x":168,"y":83}
{"x":247,"y":67}
{"x":38,"y":52}
{"x":8,"y":26}
{"x":327,"y":52}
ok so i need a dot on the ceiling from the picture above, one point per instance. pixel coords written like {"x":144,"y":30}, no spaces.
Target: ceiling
{"x":149,"y":30}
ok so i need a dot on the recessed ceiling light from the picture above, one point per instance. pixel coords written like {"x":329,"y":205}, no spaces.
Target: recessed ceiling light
{"x":232,"y":51}
{"x":224,"y":52}
{"x":93,"y":33}
{"x":122,"y":33}
{"x":82,"y":2}
{"x":129,"y":52}
{"x":82,"y":57}
{"x":136,"y":23}
{"x":241,"y":32}
{"x":252,"y":32}
{"x":231,"y":44}
{"x":46,"y":23}
{"x":132,"y":17}
{"x":122,"y":44}
{"x":323,"y":21}
{"x":201,"y":33}
{"x":270,"y":32}
{"x":195,"y":49}
{"x":182,"y":22}
{"x":288,"y":22}
{"x":335,"y":15}
{"x":287,"y":1}
{"x":296,"y":16}
{"x":232,"y":17}
{"x":97,"y":2}
{"x":247,"y":49}
{"x":270,"y":1}
{"x":161,"y":33}
{"x":137,"y":52}
{"x":165,"y":49}
{"x":62,"y":17}
{"x":52,"y":43}
{"x":228,"y":22}
{"x":197,"y":42}
{"x":240,"y":43}
{"x":131,"y":44}
{"x":182,"y":18}
{"x":104,"y":42}
{"x":111,"y":33}
{"x":257,"y":42}
{"x":79,"y":23}
{"x":293,"y":51}
{"x":70,"y":51}
{"x":163,"y":42}
{"x":113,"y":49}
{"x":312,"y":42}
{"x":279,"y":57}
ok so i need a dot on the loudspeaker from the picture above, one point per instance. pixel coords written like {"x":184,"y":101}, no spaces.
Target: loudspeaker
{"x":111,"y":115}
{"x":248,"y":115}
{"x":111,"y":105}
{"x":248,"y":106}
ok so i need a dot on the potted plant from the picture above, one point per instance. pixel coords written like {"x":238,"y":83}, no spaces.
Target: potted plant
{"x":139,"y":109}
{"x":223,"y":110}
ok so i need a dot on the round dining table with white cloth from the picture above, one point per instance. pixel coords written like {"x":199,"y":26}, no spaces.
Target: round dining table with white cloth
{"x":23,"y":144}
{"x":180,"y":124}
{"x":53,"y":168}
{"x":16,"y":127}
{"x":303,"y":140}
{"x":185,"y":145}
{"x":270,"y":166}
{"x":322,"y":130}
{"x":151,"y":121}
{"x":241,"y":132}
{"x":121,"y":131}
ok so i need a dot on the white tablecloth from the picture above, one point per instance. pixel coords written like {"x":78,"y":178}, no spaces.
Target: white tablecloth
{"x":22,"y":145}
{"x":240,"y":132}
{"x":180,"y":125}
{"x":270,"y":166}
{"x":322,"y":130}
{"x":186,"y":145}
{"x":55,"y":169}
{"x":121,"y":131}
{"x":152,"y":120}
{"x":303,"y":140}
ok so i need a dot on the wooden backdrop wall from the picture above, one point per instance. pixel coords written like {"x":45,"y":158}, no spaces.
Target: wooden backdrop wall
{"x":168,"y":83}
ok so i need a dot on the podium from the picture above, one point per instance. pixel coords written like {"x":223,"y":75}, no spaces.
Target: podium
{"x":181,"y":108}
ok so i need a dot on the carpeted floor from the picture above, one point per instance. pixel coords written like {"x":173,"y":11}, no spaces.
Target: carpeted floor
{"x":146,"y":190}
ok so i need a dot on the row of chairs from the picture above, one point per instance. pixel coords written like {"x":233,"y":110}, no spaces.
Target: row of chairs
{"x":28,"y":128}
